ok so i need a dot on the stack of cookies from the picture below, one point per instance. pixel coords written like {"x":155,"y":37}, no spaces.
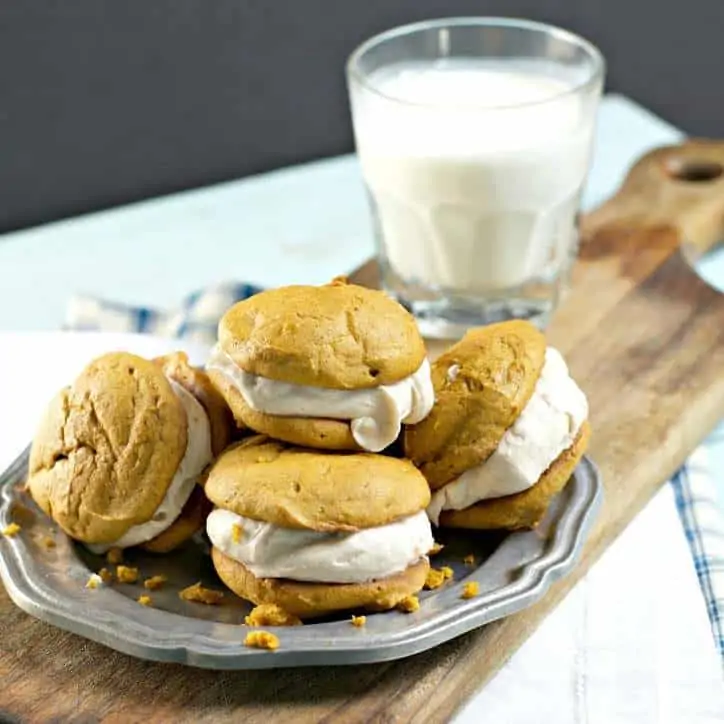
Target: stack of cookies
{"x":310,"y":516}
{"x":318,"y":509}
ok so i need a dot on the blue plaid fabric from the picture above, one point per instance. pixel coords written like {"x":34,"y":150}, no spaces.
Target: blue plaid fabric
{"x":699,"y":503}
{"x":697,"y":500}
{"x":195,"y":319}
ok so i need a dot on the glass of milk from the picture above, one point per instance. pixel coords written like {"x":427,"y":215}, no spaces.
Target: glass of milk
{"x":474,"y":136}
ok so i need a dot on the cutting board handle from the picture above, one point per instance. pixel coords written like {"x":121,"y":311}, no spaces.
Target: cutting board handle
{"x":678,"y":188}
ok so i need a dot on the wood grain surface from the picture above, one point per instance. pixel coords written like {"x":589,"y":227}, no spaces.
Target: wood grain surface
{"x":645,"y":338}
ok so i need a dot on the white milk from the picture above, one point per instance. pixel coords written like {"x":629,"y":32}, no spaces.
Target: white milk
{"x":471,"y":195}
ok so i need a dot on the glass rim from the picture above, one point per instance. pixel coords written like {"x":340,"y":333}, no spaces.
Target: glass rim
{"x":597,"y":73}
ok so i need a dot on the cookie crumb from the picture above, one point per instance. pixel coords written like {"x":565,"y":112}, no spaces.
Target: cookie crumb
{"x":436,"y":548}
{"x":447,"y":572}
{"x":48,"y":542}
{"x":469,"y":560}
{"x":470,"y":590}
{"x":434,"y":579}
{"x":409,"y":604}
{"x":199,"y":594}
{"x":106,"y":576}
{"x":126,"y":574}
{"x":145,"y":600}
{"x":359,"y":621}
{"x":261,"y":640}
{"x":237,"y":533}
{"x":114,"y":556}
{"x":155,"y":582}
{"x":94,"y":581}
{"x":269,"y":614}
{"x":11,"y":530}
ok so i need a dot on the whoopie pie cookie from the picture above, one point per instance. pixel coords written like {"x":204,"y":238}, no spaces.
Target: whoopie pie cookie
{"x":317,"y":532}
{"x":508,"y":428}
{"x":118,"y":454}
{"x":336,"y":367}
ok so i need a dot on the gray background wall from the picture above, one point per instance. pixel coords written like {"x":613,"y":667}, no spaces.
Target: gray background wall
{"x":108,"y":101}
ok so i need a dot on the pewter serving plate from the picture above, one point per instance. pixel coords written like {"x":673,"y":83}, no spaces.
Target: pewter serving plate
{"x":512,"y":570}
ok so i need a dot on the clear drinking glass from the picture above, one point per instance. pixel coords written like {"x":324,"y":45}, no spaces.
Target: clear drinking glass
{"x":474,"y":136}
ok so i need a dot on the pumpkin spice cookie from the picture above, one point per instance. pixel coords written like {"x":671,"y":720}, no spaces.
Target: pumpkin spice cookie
{"x":508,"y":428}
{"x":118,"y":453}
{"x":316,"y":532}
{"x":336,"y":367}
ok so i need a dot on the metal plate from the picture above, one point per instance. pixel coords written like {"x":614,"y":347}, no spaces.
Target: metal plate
{"x":513,"y":572}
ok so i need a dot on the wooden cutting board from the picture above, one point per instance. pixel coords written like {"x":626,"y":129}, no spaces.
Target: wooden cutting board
{"x":645,"y":338}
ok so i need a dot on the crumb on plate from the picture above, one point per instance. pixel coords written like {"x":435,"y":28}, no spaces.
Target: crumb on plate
{"x":199,"y":594}
{"x":261,"y":640}
{"x":105,"y":575}
{"x":447,"y":572}
{"x":114,"y":556}
{"x":269,"y":614}
{"x":155,"y":582}
{"x":436,"y":548}
{"x":145,"y":600}
{"x":126,"y":574}
{"x":359,"y":621}
{"x":470,"y":590}
{"x":94,"y":581}
{"x":469,"y":560}
{"x":49,"y":542}
{"x":237,"y":533}
{"x":434,"y":579}
{"x":409,"y":604}
{"x":11,"y":530}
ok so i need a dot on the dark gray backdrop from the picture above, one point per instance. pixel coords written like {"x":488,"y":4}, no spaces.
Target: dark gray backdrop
{"x":108,"y":101}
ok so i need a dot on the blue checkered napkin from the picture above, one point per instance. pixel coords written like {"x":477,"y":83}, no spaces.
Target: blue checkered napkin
{"x":196,"y":319}
{"x":699,"y":504}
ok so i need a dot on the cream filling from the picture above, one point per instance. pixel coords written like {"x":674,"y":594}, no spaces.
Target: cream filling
{"x":376,"y":413}
{"x":196,"y":457}
{"x":270,"y":551}
{"x":548,"y":425}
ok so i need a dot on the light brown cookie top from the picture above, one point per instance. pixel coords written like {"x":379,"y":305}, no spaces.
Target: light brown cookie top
{"x":293,"y":487}
{"x":338,"y":335}
{"x":482,"y":384}
{"x":176,"y":367}
{"x":107,"y":448}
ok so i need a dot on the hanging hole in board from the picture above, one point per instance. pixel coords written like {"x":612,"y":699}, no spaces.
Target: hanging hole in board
{"x":693,"y":170}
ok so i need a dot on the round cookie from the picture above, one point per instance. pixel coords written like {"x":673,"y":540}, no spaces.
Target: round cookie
{"x":266,"y":480}
{"x":312,"y":600}
{"x":305,"y":431}
{"x":481,"y":384}
{"x":108,"y":448}
{"x":527,"y":508}
{"x":339,"y":336}
{"x":176,"y":366}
